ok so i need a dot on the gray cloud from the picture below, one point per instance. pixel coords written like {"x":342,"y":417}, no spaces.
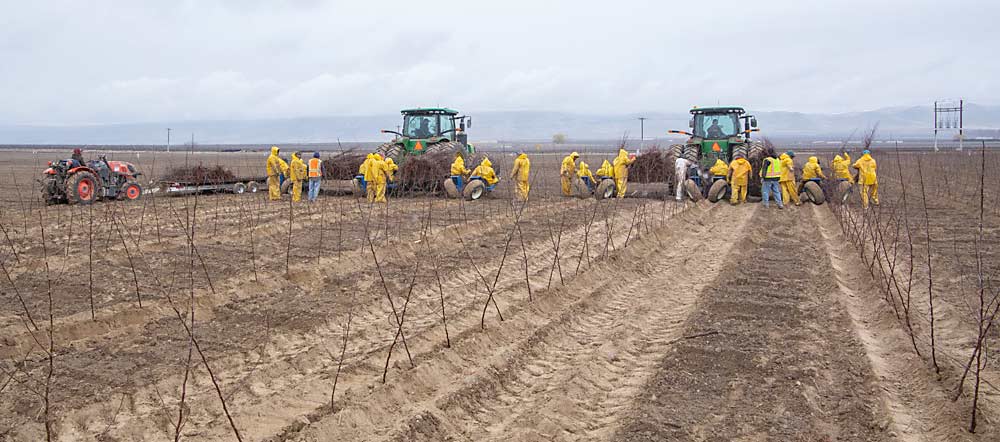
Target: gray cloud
{"x":69,"y":62}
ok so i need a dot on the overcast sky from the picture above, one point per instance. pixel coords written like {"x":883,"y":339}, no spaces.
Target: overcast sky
{"x":69,"y":62}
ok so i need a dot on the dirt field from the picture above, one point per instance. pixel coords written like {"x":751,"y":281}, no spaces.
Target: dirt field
{"x":639,"y":319}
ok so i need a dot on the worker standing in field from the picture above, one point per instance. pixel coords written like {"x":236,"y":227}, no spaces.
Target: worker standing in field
{"x":740,"y":170}
{"x":770,"y":171}
{"x":621,"y":163}
{"x":787,"y":181}
{"x":315,"y":176}
{"x":485,"y":170}
{"x":681,"y":166}
{"x":567,"y":172}
{"x":867,"y":178}
{"x":520,"y":174}
{"x":276,"y":167}
{"x":377,"y":174}
{"x":842,"y":168}
{"x":298,"y":175}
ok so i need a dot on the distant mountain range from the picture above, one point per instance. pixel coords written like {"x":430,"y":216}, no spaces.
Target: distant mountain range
{"x":900,"y":122}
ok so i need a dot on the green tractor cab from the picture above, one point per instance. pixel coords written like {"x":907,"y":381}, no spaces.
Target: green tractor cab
{"x":428,"y":130}
{"x":721,"y":132}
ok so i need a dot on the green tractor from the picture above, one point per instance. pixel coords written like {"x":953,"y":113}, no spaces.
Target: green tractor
{"x":720,"y":132}
{"x":427,"y":130}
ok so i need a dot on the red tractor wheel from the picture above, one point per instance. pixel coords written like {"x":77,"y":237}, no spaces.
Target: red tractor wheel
{"x":81,"y":188}
{"x":132,"y":191}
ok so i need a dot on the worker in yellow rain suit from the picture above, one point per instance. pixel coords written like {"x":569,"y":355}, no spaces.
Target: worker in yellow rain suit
{"x":392,"y":168}
{"x":364,"y":164}
{"x":584,"y":172}
{"x":812,"y":170}
{"x":275,"y":168}
{"x":787,"y":180}
{"x":298,"y":175}
{"x":867,"y":177}
{"x":368,"y":170}
{"x":719,"y":171}
{"x":485,"y":170}
{"x":842,"y":168}
{"x":740,"y":174}
{"x":621,"y":163}
{"x":606,"y":170}
{"x":567,"y":172}
{"x":379,"y":172}
{"x":520,"y":174}
{"x":458,"y":166}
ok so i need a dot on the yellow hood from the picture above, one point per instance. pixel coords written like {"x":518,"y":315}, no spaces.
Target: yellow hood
{"x":814,"y":160}
{"x":486,"y":162}
{"x":274,"y":150}
{"x":838,"y":158}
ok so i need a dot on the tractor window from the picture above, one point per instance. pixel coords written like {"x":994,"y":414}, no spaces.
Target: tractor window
{"x":715,"y":126}
{"x":420,"y":126}
{"x":447,"y":124}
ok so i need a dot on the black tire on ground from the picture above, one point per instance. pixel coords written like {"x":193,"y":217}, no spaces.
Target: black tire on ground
{"x":131,"y":191}
{"x":474,"y":190}
{"x":253,"y":187}
{"x":693,"y":191}
{"x":815,"y":192}
{"x":81,"y":188}
{"x":606,"y":189}
{"x":844,"y":191}
{"x":239,"y":188}
{"x":717,"y":191}
{"x":754,"y":199}
{"x":450,"y":188}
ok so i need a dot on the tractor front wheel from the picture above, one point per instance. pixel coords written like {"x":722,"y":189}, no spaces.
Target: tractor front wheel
{"x":474,"y":190}
{"x":81,"y":188}
{"x":131,"y":191}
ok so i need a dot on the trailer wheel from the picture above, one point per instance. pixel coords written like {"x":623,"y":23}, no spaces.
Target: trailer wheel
{"x":815,"y":192}
{"x":474,"y":190}
{"x":239,"y":188}
{"x":717,"y":191}
{"x":253,"y":187}
{"x":81,"y":188}
{"x":132,"y":191}
{"x":606,"y":189}
{"x":450,"y":188}
{"x":693,"y":191}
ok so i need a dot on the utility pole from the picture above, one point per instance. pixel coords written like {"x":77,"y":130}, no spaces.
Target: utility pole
{"x":642,"y":133}
{"x":168,"y":139}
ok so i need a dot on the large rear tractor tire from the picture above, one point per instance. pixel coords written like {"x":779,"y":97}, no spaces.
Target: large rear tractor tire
{"x":717,"y":191}
{"x":693,"y":191}
{"x":451,"y":189}
{"x":82,"y":188}
{"x":474,"y":190}
{"x":606,"y":189}
{"x":814,"y":192}
{"x":390,"y":150}
{"x":676,"y":150}
{"x":691,"y":152}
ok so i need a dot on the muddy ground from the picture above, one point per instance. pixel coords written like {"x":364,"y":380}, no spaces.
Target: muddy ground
{"x":634,"y":319}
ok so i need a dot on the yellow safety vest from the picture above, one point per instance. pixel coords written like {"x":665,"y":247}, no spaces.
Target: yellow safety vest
{"x":773,"y":169}
{"x":314,"y":168}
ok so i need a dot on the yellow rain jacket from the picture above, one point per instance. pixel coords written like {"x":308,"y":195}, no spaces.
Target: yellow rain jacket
{"x":458,"y":166}
{"x":787,"y":168}
{"x":741,"y":171}
{"x":606,"y":170}
{"x":584,"y":171}
{"x":621,"y":163}
{"x":392,"y":168}
{"x":485,"y":170}
{"x":720,"y":168}
{"x":866,"y":167}
{"x":275,"y":165}
{"x":520,"y":173}
{"x":842,"y":168}
{"x":812,"y":170}
{"x":569,"y":165}
{"x":298,"y":168}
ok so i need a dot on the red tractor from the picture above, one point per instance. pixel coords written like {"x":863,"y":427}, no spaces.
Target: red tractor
{"x":68,"y":181}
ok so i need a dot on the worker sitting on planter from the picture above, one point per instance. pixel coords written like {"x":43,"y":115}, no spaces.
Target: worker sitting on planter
{"x":458,"y":170}
{"x":719,"y":171}
{"x":606,"y":171}
{"x":587,"y":177}
{"x":486,"y":172}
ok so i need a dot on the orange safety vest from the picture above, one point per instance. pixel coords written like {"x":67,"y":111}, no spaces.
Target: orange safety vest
{"x":314,"y":168}
{"x":773,"y":169}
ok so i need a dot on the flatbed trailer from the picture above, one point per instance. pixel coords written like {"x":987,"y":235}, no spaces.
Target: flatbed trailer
{"x":237,"y":186}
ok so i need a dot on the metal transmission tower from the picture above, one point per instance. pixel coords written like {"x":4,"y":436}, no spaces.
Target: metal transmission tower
{"x":949,"y":115}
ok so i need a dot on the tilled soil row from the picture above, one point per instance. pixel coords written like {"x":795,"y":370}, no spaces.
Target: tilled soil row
{"x":782,"y":362}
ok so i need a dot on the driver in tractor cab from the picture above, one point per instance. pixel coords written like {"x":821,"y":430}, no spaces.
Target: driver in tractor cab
{"x":424,"y":131}
{"x":77,"y":157}
{"x":715,"y":131}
